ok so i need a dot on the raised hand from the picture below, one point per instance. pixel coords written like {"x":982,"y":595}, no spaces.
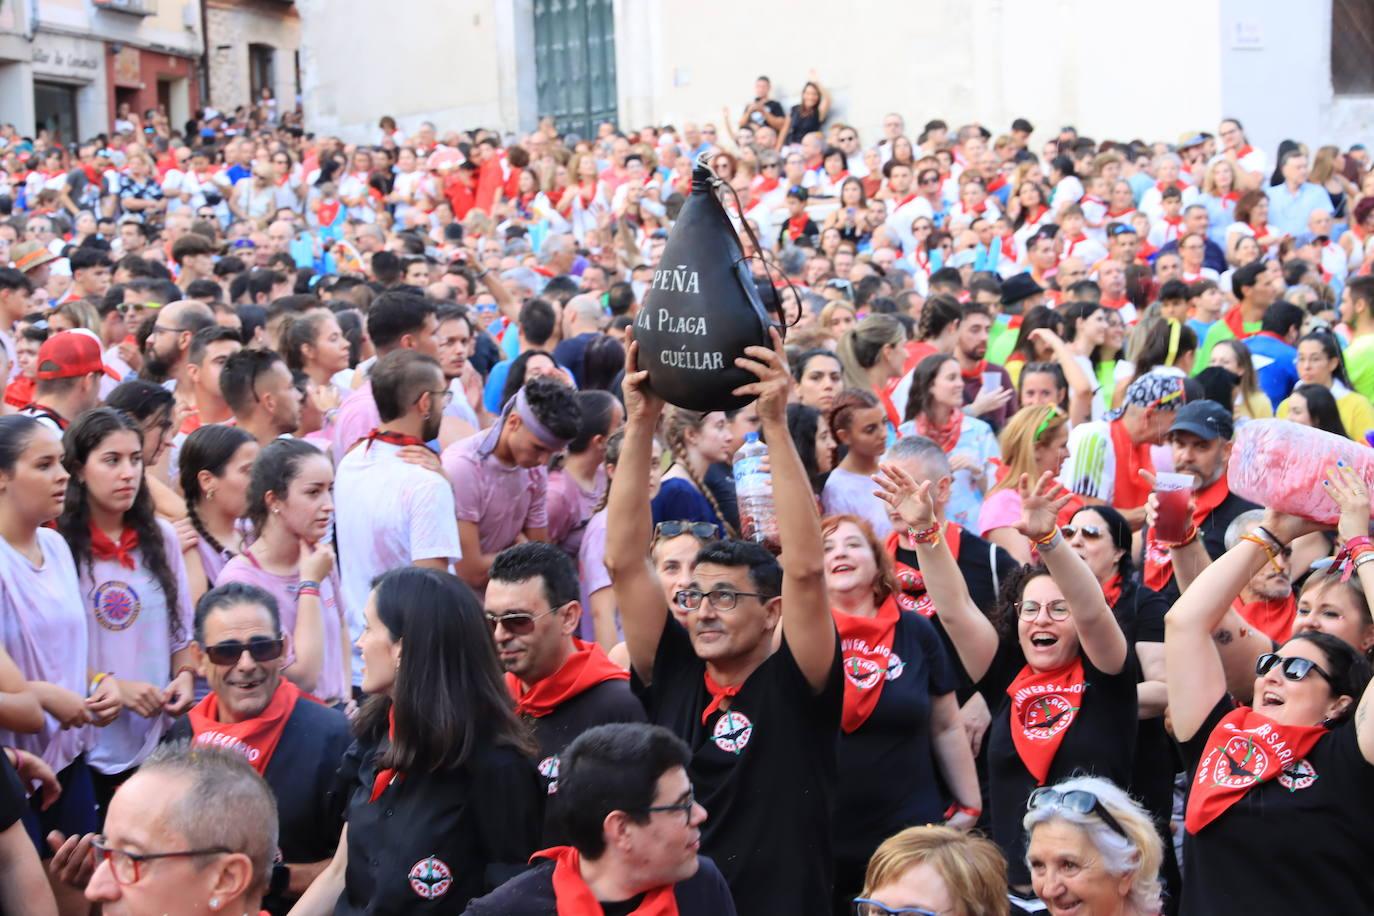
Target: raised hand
{"x":911,"y":501}
{"x":1039,"y":506}
{"x":1348,"y":491}
{"x":641,"y":404}
{"x":774,"y":386}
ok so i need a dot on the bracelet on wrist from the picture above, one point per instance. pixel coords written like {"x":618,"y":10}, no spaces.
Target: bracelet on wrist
{"x":929,"y":535}
{"x":1040,"y":541}
{"x":307,"y":583}
{"x":1268,"y":535}
{"x":185,"y":669}
{"x":95,"y":681}
{"x":957,"y":808}
{"x":1187,"y":539}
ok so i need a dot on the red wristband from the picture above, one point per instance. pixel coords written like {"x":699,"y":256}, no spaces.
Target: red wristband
{"x":957,"y":808}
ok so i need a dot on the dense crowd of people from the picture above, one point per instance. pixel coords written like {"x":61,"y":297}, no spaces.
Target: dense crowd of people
{"x":351,"y":563}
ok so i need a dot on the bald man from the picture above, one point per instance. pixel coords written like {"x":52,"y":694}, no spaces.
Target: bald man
{"x":165,"y":354}
{"x":583,"y":318}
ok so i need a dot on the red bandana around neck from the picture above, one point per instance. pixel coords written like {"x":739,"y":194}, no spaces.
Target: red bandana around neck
{"x":1244,"y":750}
{"x":718,"y":694}
{"x":586,"y":667}
{"x":796,"y":226}
{"x":1236,"y":322}
{"x":386,"y":777}
{"x":1271,"y":616}
{"x":947,"y":435}
{"x":976,"y":372}
{"x":575,"y":898}
{"x":1159,"y":565}
{"x":391,"y":438}
{"x":1111,"y":590}
{"x":1130,"y":490}
{"x":255,"y":738}
{"x":1044,"y":705}
{"x":102,"y":548}
{"x":867,"y":646}
{"x":913,"y":596}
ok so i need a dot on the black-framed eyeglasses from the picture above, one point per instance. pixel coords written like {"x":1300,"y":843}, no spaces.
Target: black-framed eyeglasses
{"x":685,"y":806}
{"x":1089,"y":532}
{"x":702,"y":531}
{"x":163,"y":329}
{"x":1294,"y":668}
{"x":518,"y":623}
{"x":260,"y":648}
{"x":126,"y":866}
{"x":722,"y":599}
{"x":1029,"y":610}
{"x":866,"y":907}
{"x":1079,"y":801}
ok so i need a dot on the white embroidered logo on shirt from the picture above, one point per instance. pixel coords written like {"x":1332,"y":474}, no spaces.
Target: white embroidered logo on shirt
{"x":732,"y":732}
{"x":116,"y":605}
{"x":548,"y":768}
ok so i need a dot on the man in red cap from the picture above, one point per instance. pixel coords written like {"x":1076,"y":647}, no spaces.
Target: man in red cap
{"x":67,"y":379}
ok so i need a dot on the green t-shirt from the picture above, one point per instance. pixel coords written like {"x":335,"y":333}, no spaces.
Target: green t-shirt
{"x":1359,"y":362}
{"x":1216,"y":334}
{"x":1001,"y":339}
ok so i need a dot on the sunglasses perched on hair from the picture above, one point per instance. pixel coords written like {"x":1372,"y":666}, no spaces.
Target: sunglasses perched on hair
{"x":702,"y":531}
{"x":1293,"y":668}
{"x":1029,"y":610}
{"x":1079,"y":801}
{"x":865,"y":907}
{"x":261,"y":648}
{"x":517,"y":623}
{"x":1089,"y":532}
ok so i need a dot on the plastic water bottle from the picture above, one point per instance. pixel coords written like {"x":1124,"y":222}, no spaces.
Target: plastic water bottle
{"x":754,"y":490}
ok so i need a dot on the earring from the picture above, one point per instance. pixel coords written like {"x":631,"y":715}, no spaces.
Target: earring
{"x":210,"y":494}
{"x":214,"y":903}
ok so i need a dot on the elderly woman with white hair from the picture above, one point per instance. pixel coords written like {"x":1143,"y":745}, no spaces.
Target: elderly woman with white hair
{"x":1093,"y":850}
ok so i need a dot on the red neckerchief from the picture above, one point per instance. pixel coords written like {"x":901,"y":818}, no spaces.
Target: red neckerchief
{"x":1244,"y":750}
{"x":1039,"y":213}
{"x":255,"y":738}
{"x":1129,"y":491}
{"x":191,"y":423}
{"x":1159,"y":565}
{"x":1178,"y":183}
{"x":1273,"y":618}
{"x":1260,"y":231}
{"x":796,"y":226}
{"x":574,"y":898}
{"x":718,"y":694}
{"x":1117,"y":214}
{"x":1008,"y":246}
{"x":976,"y":372}
{"x":946,"y":436}
{"x":840,"y":177}
{"x":763,"y":185}
{"x":20,"y":391}
{"x":585,"y":668}
{"x":904,"y":201}
{"x":555,"y":195}
{"x":102,"y":548}
{"x":1044,"y":704}
{"x":997,"y":183}
{"x":47,"y":412}
{"x":1090,"y":199}
{"x":1111,"y":590}
{"x":885,"y":398}
{"x":867,"y":646}
{"x":911,"y":583}
{"x":387,"y":776}
{"x":815,"y":162}
{"x":326,"y":211}
{"x":1236,"y":323}
{"x":1071,"y":243}
{"x":1230,"y":197}
{"x":391,"y":438}
{"x":1244,"y":151}
{"x":1174,"y":221}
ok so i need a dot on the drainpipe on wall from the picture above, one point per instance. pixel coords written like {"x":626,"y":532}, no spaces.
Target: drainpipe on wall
{"x":204,"y":57}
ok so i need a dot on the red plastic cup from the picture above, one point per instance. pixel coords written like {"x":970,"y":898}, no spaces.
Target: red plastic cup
{"x":1173,"y":492}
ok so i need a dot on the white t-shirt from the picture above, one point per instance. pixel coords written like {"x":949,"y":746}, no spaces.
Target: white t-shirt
{"x":847,"y":493}
{"x":43,"y":627}
{"x":127,"y":624}
{"x":388,"y":514}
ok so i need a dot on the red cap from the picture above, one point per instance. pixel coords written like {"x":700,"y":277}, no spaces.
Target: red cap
{"x":71,"y":354}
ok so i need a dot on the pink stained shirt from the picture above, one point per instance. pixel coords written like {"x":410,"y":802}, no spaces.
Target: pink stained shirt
{"x":1000,"y":510}
{"x":569,"y":508}
{"x":500,"y":499}
{"x":331,"y":686}
{"x":356,"y":418}
{"x":43,"y":627}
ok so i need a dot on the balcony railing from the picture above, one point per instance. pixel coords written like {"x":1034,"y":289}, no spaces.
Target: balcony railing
{"x":132,"y":7}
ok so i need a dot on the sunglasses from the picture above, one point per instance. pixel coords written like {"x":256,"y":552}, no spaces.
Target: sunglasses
{"x":1293,"y":669}
{"x":1078,"y":801}
{"x":517,"y":623}
{"x":702,"y":531}
{"x":1089,"y":532}
{"x":1029,"y":610}
{"x":865,"y":907}
{"x":928,"y":181}
{"x":260,"y":648}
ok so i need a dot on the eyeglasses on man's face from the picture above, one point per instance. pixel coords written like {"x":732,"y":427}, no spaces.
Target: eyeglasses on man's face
{"x":128,"y":867}
{"x":685,"y":806}
{"x":720,"y":599}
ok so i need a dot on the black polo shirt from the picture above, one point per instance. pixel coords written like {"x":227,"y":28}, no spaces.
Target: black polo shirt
{"x":609,"y":701}
{"x":303,"y":774}
{"x":531,"y":894}
{"x":433,"y":841}
{"x":765,"y":770}
{"x":13,"y":800}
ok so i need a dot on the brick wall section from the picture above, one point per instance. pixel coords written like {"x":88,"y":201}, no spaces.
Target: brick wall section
{"x":231,"y":28}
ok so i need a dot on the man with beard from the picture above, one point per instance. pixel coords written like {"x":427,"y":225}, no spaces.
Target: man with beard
{"x":293,"y":743}
{"x":259,"y":389}
{"x":1200,"y":439}
{"x":390,"y":512}
{"x":165,"y":355}
{"x":760,"y":711}
{"x":1266,"y":602}
{"x":970,"y":348}
{"x":561,"y":685}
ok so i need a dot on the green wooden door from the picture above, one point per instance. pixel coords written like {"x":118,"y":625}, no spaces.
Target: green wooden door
{"x":574,"y":53}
